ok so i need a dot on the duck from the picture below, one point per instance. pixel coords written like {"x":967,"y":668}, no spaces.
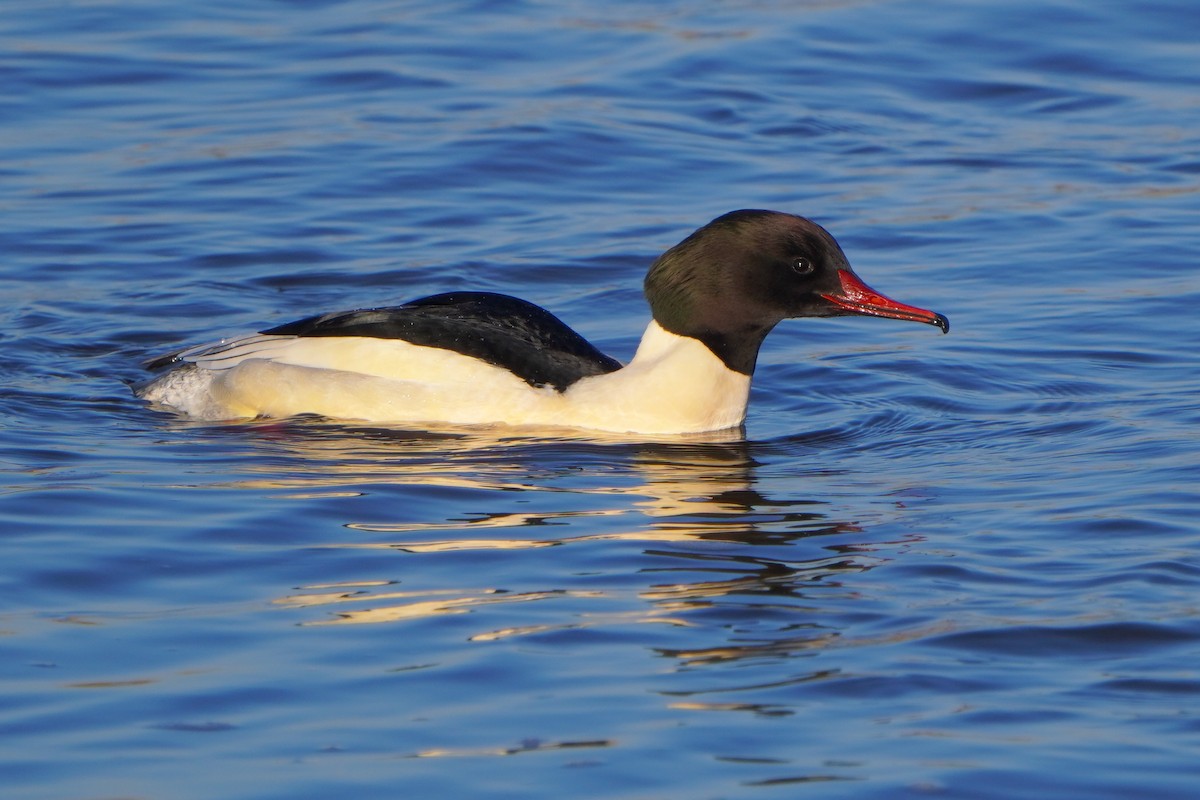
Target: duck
{"x":483,"y":358}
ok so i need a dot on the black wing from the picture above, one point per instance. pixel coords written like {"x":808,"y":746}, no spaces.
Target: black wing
{"x":513,"y":334}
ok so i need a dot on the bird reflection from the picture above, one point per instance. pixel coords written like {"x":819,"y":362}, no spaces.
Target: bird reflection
{"x":713,"y":554}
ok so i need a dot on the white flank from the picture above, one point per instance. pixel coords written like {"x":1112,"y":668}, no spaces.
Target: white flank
{"x":673,"y":385}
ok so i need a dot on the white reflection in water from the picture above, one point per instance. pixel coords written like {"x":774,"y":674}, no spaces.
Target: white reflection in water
{"x":719,"y":556}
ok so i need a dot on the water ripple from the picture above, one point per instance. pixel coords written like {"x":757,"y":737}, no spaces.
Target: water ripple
{"x":963,"y":565}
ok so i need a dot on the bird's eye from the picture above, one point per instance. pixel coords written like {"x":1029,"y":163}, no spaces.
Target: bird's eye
{"x":802,"y":266}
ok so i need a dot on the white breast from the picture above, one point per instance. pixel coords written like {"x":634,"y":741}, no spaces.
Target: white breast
{"x":673,"y":385}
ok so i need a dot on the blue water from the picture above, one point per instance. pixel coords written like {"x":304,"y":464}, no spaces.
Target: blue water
{"x":946,"y":566}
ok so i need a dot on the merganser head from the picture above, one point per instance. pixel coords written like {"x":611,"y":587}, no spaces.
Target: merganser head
{"x":733,"y":280}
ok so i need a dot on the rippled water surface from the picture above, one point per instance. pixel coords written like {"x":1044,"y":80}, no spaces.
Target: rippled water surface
{"x":962,"y":566}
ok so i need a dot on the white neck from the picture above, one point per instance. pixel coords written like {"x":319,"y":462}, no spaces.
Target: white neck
{"x":674,"y":384}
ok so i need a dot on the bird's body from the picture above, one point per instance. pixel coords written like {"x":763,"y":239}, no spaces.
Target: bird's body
{"x":673,"y":385}
{"x":482,"y":358}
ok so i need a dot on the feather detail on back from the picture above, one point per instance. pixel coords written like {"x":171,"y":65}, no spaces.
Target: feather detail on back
{"x":504,"y":331}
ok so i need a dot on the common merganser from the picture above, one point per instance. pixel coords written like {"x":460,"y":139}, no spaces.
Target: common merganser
{"x":479,"y":358}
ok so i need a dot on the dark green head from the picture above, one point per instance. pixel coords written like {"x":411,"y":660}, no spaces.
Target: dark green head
{"x":733,"y":280}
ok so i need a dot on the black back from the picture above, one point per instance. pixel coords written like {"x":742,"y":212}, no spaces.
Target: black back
{"x":504,"y":331}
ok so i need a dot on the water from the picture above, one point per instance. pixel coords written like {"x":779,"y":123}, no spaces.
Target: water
{"x":962,"y":566}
